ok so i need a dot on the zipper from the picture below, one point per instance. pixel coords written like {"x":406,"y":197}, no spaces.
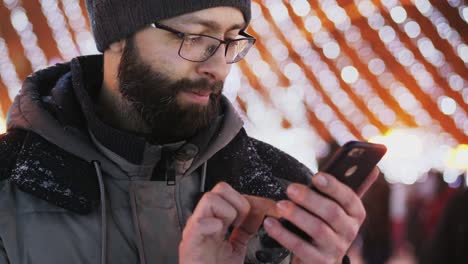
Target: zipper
{"x":170,"y":172}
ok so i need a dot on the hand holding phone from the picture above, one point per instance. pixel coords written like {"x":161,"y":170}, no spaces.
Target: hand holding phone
{"x":351,"y":164}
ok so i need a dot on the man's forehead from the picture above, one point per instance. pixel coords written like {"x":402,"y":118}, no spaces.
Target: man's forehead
{"x":216,"y":19}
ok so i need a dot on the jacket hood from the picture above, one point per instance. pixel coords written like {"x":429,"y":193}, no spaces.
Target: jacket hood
{"x":48,"y":106}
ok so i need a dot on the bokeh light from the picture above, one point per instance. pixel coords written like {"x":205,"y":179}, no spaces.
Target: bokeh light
{"x":350,"y":74}
{"x":398,"y":14}
{"x":2,"y":125}
{"x":447,"y":105}
{"x":458,"y":158}
{"x":464,"y":12}
{"x":412,"y":29}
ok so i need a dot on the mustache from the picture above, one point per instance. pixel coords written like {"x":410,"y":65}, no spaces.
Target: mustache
{"x":201,"y":85}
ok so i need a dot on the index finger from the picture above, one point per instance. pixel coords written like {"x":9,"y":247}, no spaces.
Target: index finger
{"x":259,"y":208}
{"x":263,"y":205}
{"x":235,"y":199}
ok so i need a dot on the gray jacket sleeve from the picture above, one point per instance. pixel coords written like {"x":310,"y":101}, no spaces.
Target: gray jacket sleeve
{"x":258,"y":254}
{"x":3,"y":255}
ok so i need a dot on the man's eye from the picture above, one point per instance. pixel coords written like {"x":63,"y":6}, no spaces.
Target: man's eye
{"x":211,"y":49}
{"x":192,"y":39}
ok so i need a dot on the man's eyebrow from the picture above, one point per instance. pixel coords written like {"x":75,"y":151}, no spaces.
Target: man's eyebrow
{"x":214,"y":26}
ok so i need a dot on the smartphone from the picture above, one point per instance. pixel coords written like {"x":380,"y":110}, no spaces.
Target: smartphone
{"x":353,"y":162}
{"x":350,"y":164}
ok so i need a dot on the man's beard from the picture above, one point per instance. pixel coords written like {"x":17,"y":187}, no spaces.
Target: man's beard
{"x":153,"y":95}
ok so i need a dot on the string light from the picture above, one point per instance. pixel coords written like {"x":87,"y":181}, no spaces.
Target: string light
{"x":462,"y":8}
{"x":8,"y":72}
{"x":24,"y":28}
{"x":277,"y":94}
{"x":285,"y":102}
{"x":443,"y":26}
{"x":351,"y":75}
{"x":426,"y":47}
{"x":395,"y":46}
{"x":77,"y":22}
{"x":436,"y":58}
{"x":61,"y":34}
{"x":386,"y":79}
{"x":327,"y":79}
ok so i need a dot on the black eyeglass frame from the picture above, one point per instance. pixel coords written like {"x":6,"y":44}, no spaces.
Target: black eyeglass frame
{"x":183,"y":35}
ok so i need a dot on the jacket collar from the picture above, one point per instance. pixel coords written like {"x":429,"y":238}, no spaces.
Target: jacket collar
{"x":48,"y":172}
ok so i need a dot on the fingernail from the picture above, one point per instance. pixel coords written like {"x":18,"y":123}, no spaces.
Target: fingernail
{"x":293,"y":190}
{"x":268,"y":222}
{"x":282,"y":205}
{"x":321,"y":180}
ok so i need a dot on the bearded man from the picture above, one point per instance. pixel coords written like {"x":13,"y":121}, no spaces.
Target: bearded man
{"x":135,"y":156}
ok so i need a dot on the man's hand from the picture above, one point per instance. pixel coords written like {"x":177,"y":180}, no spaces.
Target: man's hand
{"x":203,"y":239}
{"x":333,"y":222}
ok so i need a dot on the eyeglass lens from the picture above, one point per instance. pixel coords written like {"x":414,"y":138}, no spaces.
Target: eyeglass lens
{"x":200,"y":48}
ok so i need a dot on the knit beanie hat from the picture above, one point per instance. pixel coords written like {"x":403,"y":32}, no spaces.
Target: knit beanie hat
{"x":113,"y":20}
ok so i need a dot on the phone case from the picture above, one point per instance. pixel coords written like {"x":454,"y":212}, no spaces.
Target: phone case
{"x":354,"y":161}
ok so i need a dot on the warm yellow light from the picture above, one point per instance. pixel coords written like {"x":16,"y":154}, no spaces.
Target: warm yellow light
{"x":2,"y":126}
{"x":404,"y":148}
{"x":401,"y":144}
{"x":458,"y":159}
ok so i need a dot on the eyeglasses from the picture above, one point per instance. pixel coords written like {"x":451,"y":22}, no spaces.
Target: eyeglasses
{"x":199,"y":47}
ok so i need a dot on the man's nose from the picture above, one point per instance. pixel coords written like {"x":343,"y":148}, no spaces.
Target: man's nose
{"x":215,"y":68}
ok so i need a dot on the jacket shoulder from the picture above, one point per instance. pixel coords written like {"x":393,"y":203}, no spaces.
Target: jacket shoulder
{"x":10,"y":146}
{"x":254,"y":167}
{"x":283,"y":165}
{"x":42,"y":169}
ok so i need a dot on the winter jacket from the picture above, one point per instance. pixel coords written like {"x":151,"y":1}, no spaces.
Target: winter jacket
{"x":75,"y":190}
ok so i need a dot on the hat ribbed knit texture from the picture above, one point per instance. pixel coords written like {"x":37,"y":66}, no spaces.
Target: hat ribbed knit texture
{"x":113,"y":20}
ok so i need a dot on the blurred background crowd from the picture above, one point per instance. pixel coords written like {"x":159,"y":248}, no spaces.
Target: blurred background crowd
{"x":324,"y":72}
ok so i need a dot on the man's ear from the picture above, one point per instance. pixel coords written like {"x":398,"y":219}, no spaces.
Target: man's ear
{"x":117,"y":47}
